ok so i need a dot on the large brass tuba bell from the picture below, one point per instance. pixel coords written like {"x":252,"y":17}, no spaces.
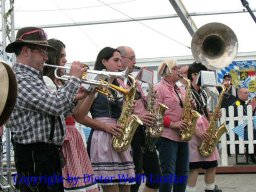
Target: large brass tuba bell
{"x":214,"y":45}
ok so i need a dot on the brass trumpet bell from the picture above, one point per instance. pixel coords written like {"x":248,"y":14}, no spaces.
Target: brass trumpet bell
{"x":214,"y":45}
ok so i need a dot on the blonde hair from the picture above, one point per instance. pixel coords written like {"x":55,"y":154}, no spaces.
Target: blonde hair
{"x":166,"y":65}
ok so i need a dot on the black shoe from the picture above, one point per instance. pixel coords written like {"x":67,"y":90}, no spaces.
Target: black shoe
{"x":216,"y":189}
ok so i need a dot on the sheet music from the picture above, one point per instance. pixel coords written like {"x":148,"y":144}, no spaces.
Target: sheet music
{"x":145,"y":75}
{"x":208,"y":79}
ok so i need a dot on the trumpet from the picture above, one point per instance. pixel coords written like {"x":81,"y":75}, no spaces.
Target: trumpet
{"x":108,"y":74}
{"x":102,"y":86}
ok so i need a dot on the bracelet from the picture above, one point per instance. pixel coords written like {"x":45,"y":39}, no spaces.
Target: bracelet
{"x":167,"y":121}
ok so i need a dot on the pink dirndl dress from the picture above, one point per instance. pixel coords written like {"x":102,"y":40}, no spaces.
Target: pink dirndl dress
{"x":77,"y":172}
{"x":194,"y":155}
{"x":110,"y":167}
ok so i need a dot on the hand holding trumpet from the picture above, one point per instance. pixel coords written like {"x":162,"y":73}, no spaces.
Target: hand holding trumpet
{"x":77,"y":69}
{"x":81,"y":71}
{"x":81,"y":94}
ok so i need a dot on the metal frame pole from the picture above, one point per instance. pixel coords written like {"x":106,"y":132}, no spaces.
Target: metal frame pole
{"x":5,"y":16}
{"x":246,"y":5}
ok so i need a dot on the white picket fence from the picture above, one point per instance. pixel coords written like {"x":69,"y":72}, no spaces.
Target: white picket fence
{"x":231,"y":122}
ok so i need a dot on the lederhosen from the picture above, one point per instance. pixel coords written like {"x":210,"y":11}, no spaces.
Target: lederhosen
{"x":39,"y":164}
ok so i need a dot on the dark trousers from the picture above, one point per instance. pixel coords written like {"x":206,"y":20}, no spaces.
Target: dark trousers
{"x":174,"y":161}
{"x":38,"y":168}
{"x":147,"y":166}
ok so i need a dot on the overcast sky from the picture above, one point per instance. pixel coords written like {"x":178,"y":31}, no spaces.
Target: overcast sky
{"x":154,"y":38}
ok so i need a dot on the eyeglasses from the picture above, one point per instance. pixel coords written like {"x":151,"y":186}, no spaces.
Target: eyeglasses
{"x":132,"y":58}
{"x":40,"y":32}
{"x":42,"y":51}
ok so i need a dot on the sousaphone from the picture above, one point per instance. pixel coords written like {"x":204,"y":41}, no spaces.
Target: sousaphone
{"x":214,"y":45}
{"x":8,"y":92}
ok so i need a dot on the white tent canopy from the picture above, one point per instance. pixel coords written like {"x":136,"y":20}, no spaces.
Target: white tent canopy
{"x":86,"y":26}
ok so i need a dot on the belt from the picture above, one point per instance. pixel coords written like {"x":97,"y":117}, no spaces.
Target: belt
{"x":38,"y":145}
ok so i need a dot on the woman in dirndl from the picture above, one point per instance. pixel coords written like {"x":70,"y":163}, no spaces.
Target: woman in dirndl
{"x":77,"y":167}
{"x":196,"y":160}
{"x":113,"y":170}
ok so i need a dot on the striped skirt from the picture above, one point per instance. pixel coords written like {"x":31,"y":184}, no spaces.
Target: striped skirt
{"x":78,"y":166}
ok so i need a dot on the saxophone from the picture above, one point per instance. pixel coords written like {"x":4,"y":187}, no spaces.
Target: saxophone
{"x":127,"y":120}
{"x":155,"y":130}
{"x":189,"y":115}
{"x":207,"y":147}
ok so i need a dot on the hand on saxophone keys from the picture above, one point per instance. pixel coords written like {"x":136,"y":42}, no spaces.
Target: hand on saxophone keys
{"x":203,"y":136}
{"x":219,"y":114}
{"x":147,"y":118}
{"x":181,"y":125}
{"x":114,"y":129}
{"x":193,"y":103}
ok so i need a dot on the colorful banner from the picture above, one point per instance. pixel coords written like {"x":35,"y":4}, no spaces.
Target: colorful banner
{"x":243,"y":74}
{"x":239,"y":129}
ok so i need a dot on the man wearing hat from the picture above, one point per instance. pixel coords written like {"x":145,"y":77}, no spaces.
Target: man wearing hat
{"x":173,"y":152}
{"x":37,"y":120}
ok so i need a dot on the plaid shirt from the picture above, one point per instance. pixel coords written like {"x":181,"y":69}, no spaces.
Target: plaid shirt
{"x":30,"y":121}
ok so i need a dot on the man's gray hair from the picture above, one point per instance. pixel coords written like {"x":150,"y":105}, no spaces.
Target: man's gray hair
{"x":123,"y":50}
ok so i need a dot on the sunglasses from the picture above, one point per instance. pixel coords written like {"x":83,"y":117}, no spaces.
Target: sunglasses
{"x":40,"y":32}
